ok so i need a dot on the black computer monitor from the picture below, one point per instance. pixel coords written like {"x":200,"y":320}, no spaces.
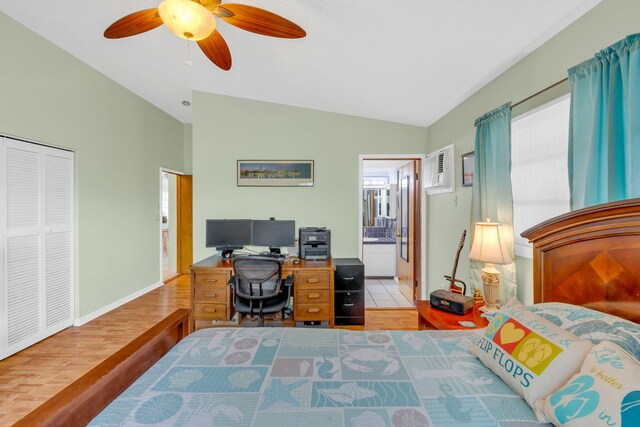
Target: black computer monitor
{"x":228,"y":234}
{"x":274,"y":234}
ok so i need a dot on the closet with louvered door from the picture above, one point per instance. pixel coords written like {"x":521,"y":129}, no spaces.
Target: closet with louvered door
{"x":36,"y":243}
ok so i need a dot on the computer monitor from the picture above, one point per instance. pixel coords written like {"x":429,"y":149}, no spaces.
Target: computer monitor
{"x":228,"y":234}
{"x":274,"y":234}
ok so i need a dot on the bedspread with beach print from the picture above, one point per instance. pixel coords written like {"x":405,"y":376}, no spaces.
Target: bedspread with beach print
{"x":284,"y":377}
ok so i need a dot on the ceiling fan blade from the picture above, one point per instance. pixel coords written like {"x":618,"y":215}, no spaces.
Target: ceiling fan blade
{"x":133,"y":24}
{"x":259,"y":21}
{"x":216,"y":50}
{"x":221,"y":12}
{"x":210,"y":4}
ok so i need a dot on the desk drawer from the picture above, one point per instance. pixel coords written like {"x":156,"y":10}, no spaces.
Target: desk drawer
{"x":202,"y":311}
{"x":313,"y":280}
{"x":312,"y":312}
{"x":219,"y":279}
{"x":313,"y":296}
{"x":209,"y":293}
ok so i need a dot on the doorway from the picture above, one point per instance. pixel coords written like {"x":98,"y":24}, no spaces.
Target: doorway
{"x":391,"y":231}
{"x":175,"y":224}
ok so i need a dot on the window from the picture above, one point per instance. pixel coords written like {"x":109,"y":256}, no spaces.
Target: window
{"x":539,"y":174}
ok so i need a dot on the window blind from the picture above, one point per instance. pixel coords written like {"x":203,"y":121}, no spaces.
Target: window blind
{"x":539,"y":175}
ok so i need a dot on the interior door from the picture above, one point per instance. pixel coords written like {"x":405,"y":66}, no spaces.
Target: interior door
{"x":185,"y":223}
{"x":406,"y":229}
{"x":22,"y":187}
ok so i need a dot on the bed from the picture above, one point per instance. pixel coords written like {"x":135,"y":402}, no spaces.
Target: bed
{"x":289,"y":376}
{"x":317,"y":377}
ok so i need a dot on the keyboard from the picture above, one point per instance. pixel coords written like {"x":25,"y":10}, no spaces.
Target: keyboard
{"x":270,"y":255}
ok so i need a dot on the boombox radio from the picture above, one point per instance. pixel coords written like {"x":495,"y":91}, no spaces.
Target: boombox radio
{"x":450,"y":301}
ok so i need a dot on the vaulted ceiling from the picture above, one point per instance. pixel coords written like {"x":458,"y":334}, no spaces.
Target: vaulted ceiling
{"x":408,"y":61}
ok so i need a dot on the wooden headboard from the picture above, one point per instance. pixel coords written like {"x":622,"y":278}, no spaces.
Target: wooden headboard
{"x":590,"y":257}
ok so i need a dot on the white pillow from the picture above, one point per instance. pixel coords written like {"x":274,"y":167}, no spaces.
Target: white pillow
{"x":606,"y":391}
{"x":532,"y":355}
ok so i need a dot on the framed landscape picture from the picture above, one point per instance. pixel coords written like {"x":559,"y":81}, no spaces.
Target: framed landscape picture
{"x":468,"y":168}
{"x":275,"y":173}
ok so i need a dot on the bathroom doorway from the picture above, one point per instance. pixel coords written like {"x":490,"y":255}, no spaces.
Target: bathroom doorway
{"x":169,"y":224}
{"x":176,"y":220}
{"x":390,"y":231}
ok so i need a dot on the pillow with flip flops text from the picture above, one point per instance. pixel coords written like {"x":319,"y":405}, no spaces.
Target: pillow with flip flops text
{"x":532,"y":355}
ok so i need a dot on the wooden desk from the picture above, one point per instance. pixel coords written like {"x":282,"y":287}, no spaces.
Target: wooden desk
{"x":211,"y":298}
{"x":432,"y":318}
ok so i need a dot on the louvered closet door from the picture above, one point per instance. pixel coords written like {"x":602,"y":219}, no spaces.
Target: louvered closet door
{"x":22,"y":257}
{"x":36,"y":198}
{"x":58,"y":239}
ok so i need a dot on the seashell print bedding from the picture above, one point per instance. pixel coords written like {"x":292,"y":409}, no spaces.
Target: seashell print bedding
{"x":318,"y":377}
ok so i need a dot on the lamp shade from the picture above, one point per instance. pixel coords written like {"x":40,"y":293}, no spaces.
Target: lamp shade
{"x":187,"y":19}
{"x":488,"y":246}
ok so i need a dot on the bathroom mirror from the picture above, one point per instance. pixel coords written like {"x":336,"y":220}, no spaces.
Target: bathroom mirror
{"x":376,"y":203}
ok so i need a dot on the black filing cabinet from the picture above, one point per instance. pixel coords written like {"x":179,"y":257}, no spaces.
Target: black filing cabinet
{"x":349,"y":291}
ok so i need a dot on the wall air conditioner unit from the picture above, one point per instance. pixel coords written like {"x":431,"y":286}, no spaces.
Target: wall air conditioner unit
{"x":439,"y":171}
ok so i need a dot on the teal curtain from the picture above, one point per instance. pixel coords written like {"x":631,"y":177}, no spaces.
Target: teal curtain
{"x":604,"y":135}
{"x":492,"y":197}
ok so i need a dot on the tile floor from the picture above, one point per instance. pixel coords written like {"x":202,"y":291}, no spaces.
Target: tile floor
{"x":384,"y":293}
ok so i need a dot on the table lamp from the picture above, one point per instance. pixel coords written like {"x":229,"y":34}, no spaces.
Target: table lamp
{"x":489,"y":248}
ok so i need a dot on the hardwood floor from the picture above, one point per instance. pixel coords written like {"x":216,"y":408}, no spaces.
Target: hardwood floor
{"x":399,"y":318}
{"x":34,"y":375}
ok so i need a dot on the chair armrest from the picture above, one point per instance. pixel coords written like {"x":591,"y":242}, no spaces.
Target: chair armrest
{"x":289,"y":281}
{"x":231,"y":281}
{"x":288,"y":284}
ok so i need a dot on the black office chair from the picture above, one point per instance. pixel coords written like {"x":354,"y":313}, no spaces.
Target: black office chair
{"x":258,"y":288}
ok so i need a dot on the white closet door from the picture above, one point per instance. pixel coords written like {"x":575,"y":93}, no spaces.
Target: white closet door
{"x":58,"y":238}
{"x":22,"y":246}
{"x":37,"y":242}
{"x":3,"y":251}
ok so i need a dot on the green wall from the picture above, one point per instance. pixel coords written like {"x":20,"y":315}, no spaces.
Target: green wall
{"x":120,"y":142}
{"x":188,"y":148}
{"x":227,"y":129}
{"x":449,"y":214}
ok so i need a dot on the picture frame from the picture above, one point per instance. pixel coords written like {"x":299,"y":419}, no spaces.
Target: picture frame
{"x":468,"y":168}
{"x":275,"y":173}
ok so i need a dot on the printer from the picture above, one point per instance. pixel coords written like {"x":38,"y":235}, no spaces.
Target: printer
{"x":314,"y":243}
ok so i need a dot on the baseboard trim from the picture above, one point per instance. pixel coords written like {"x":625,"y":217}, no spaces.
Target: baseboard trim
{"x":170,"y":278}
{"x":89,"y":317}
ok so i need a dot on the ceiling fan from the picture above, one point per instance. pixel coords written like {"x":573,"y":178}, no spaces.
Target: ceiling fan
{"x":196,"y":20}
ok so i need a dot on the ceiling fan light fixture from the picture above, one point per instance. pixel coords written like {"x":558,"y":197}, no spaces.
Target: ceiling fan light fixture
{"x":187,"y":19}
{"x":195,"y":20}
